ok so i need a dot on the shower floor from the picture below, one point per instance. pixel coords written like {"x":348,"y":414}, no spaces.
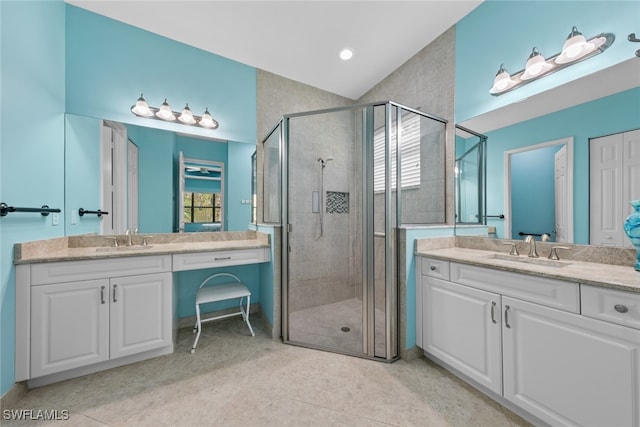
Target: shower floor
{"x":324,"y":326}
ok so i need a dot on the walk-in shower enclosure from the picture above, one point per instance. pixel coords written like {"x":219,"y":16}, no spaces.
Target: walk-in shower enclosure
{"x":341,"y":182}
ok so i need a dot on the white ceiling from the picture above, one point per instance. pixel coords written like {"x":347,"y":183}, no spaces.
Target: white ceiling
{"x":299,"y":39}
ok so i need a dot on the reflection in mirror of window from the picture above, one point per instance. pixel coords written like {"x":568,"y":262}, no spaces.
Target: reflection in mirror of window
{"x":202,"y":207}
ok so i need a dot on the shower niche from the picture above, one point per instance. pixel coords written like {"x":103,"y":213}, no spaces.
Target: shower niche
{"x":330,"y":177}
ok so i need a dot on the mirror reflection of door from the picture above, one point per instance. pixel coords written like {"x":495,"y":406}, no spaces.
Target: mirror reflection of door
{"x":132,"y":185}
{"x":614,"y":175}
{"x":114,"y":177}
{"x":539,"y":196}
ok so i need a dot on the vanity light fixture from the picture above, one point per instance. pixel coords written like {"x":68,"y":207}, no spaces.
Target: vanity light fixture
{"x":536,"y":65}
{"x":186,"y":116}
{"x":503,"y":81}
{"x":576,"y":48}
{"x":165,"y":113}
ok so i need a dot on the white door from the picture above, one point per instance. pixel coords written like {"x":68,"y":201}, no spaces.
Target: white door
{"x":570,"y":370}
{"x":132,"y":186}
{"x":461,"y":327}
{"x":630,"y":174}
{"x":69,"y":326}
{"x":561,"y":217}
{"x":181,"y":185}
{"x":106,"y":178}
{"x":140,"y":313}
{"x":614,"y":175}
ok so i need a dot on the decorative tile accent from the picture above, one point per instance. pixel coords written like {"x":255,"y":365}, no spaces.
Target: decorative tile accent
{"x":337,"y":202}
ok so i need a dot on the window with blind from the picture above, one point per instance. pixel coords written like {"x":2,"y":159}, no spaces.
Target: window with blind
{"x":409,"y":154}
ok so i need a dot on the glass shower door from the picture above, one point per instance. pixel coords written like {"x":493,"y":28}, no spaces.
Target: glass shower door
{"x":325,"y":261}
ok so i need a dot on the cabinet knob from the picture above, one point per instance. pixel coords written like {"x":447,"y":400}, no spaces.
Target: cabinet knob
{"x":620,"y":308}
{"x":433,"y":268}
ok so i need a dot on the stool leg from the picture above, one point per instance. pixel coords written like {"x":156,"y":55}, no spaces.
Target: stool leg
{"x":246,"y":315}
{"x":198,"y":327}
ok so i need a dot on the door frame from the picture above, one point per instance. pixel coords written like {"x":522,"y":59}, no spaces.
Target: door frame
{"x":568,"y":141}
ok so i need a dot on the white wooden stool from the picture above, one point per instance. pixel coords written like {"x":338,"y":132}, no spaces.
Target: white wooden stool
{"x":221,"y":292}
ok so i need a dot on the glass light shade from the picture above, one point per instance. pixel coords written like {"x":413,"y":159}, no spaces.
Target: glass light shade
{"x":165,"y":112}
{"x":187,"y":116}
{"x":574,"y":48}
{"x":141,"y":108}
{"x":502,"y":82}
{"x":536,"y":66}
{"x":207,"y":121}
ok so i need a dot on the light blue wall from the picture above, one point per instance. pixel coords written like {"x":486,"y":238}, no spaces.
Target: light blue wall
{"x":31,"y":141}
{"x":611,"y":114}
{"x":533,"y":192}
{"x":110,"y":63}
{"x":82,"y":157}
{"x":504,"y":32}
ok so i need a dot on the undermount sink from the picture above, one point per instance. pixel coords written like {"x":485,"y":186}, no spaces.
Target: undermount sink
{"x":527,"y":260}
{"x":123,"y":248}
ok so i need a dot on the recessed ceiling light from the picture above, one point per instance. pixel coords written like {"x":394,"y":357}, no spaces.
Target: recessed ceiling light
{"x":346,"y":54}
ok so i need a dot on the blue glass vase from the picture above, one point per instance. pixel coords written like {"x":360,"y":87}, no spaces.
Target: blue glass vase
{"x":632,"y":229}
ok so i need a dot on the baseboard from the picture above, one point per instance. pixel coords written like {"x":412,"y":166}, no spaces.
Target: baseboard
{"x":90,"y":369}
{"x":409,"y":354}
{"x":489,"y":393}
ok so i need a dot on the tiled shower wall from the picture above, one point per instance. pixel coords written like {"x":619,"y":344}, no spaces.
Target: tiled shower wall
{"x":323,"y":268}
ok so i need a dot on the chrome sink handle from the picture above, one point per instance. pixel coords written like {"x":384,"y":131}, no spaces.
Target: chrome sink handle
{"x":145,"y":240}
{"x":514,"y":249}
{"x":115,"y":240}
{"x":554,"y":252}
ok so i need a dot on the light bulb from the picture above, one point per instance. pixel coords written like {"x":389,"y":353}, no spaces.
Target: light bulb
{"x":187,"y":116}
{"x":165,"y":112}
{"x":536,"y":65}
{"x":141,"y":108}
{"x":207,"y":121}
{"x":502,"y":82}
{"x":574,"y":48}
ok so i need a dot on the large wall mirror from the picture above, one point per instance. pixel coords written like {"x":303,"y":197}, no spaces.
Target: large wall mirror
{"x":539,"y":177}
{"x":143,"y":167}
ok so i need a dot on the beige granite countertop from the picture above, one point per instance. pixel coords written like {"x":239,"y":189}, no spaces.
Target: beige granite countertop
{"x":621,"y":277}
{"x":97,"y":247}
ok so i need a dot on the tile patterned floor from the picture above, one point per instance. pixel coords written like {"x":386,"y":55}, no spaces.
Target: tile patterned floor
{"x":322,"y":327}
{"x":234,"y":379}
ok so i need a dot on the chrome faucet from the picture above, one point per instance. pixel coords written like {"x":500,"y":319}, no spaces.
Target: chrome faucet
{"x":533,"y":253}
{"x":128,"y":234}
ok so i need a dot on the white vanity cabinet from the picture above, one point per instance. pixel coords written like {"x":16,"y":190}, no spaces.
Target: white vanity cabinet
{"x":523,"y":337}
{"x":569,"y":370}
{"x":461,"y":327}
{"x":82,"y":313}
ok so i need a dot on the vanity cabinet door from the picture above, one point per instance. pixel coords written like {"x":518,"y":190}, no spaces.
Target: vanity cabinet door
{"x":462,"y":328}
{"x":69,"y":325}
{"x":569,"y":370}
{"x":140,"y":313}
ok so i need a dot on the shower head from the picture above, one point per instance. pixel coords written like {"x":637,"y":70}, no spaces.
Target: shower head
{"x":325,"y":161}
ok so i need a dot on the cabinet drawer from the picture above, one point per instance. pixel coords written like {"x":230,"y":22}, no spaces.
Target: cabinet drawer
{"x":550,"y":292}
{"x":435,"y":268}
{"x":195,"y":261}
{"x":611,"y":305}
{"x":73,"y":271}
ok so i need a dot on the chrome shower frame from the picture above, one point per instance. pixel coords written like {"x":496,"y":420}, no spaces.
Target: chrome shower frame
{"x":392,"y":223}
